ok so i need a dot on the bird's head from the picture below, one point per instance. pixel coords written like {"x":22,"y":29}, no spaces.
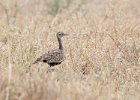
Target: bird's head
{"x":61,"y":34}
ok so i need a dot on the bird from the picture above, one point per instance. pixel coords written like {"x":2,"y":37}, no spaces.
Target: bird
{"x":53,"y":57}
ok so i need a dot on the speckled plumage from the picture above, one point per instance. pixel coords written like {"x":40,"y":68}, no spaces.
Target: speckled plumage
{"x":53,"y":57}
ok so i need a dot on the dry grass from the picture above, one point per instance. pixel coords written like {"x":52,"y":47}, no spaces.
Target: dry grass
{"x":101,"y":53}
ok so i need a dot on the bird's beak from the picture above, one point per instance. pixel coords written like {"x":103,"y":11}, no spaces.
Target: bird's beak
{"x":66,"y":34}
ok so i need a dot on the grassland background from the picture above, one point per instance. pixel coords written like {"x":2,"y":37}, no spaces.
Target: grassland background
{"x":101,"y":52}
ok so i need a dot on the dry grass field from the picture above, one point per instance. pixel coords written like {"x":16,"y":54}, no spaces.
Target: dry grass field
{"x":102,"y":51}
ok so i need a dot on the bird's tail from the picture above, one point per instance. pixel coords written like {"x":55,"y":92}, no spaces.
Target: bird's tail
{"x":37,"y":60}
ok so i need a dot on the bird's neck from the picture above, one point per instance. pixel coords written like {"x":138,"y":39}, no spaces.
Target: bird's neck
{"x":60,"y":43}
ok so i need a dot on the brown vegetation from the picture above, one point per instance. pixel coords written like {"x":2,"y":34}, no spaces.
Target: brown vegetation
{"x":101,"y":52}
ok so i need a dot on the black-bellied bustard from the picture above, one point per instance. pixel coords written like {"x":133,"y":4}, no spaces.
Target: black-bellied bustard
{"x":53,"y":57}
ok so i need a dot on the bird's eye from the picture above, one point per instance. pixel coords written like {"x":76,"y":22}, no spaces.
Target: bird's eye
{"x":60,"y":34}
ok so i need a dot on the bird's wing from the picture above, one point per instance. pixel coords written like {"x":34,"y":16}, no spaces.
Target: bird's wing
{"x":53,"y":56}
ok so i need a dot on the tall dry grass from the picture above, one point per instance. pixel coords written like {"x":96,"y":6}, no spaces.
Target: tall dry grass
{"x":101,"y":52}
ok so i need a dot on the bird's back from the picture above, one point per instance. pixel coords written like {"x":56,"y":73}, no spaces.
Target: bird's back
{"x":54,"y":56}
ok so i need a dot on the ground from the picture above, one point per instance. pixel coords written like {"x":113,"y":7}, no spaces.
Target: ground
{"x":101,"y":52}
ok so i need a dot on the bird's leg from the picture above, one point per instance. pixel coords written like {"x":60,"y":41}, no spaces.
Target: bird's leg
{"x":29,"y":69}
{"x":38,"y":69}
{"x":49,"y":69}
